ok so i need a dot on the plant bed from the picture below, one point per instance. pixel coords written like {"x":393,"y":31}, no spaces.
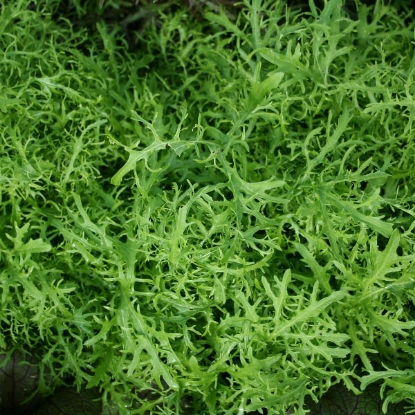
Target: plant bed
{"x":218,"y":220}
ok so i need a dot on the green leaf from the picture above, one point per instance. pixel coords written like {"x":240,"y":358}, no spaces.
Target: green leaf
{"x":319,"y":272}
{"x":374,"y":223}
{"x":314,"y":309}
{"x":34,"y":246}
{"x":374,"y":376}
{"x":134,"y":157}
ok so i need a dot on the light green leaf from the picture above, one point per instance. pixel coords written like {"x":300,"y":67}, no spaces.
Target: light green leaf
{"x":319,"y":272}
{"x":34,"y":246}
{"x":314,"y":309}
{"x":135,"y":157}
{"x":288,"y":64}
{"x":383,"y":260}
{"x":375,"y":223}
{"x":331,"y":140}
{"x":375,"y":376}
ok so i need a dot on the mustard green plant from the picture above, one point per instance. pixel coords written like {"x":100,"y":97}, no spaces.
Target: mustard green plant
{"x":224,"y":217}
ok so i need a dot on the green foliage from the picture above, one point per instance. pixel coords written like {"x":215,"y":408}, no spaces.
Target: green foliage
{"x":224,"y":218}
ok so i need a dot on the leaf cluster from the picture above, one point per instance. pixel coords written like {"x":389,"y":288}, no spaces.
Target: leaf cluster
{"x":224,"y":218}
